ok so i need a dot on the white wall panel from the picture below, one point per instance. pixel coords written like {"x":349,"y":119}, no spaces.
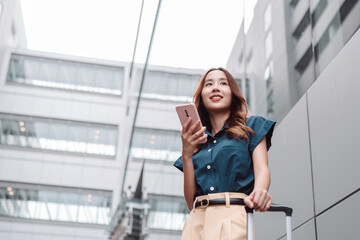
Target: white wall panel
{"x":163,"y":182}
{"x":20,"y":230}
{"x":53,"y":173}
{"x":57,"y":173}
{"x":153,"y":118}
{"x":65,"y":107}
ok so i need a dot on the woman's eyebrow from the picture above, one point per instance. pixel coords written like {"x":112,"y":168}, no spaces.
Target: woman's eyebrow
{"x":220,"y":79}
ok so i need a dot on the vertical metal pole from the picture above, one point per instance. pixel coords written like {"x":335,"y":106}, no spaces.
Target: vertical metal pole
{"x":250,"y":226}
{"x":288,"y":227}
{"x":136,"y":40}
{"x":139,"y":95}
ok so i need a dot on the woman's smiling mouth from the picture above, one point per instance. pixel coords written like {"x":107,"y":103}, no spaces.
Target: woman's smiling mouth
{"x":216,"y":97}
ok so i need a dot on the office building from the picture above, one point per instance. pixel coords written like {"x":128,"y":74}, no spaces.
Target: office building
{"x":287,"y":46}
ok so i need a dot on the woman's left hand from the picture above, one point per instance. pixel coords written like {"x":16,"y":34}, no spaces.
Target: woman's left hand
{"x":259,"y":199}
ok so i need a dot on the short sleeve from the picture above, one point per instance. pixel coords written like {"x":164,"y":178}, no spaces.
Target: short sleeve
{"x":179,"y":164}
{"x":262,"y":127}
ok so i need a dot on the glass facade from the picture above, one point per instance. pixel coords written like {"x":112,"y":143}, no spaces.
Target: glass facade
{"x":268,"y":59}
{"x":299,"y":30}
{"x":338,"y":29}
{"x":329,"y":32}
{"x":55,"y":203}
{"x":167,"y":213}
{"x":68,"y":75}
{"x":155,"y":144}
{"x":177,"y":87}
{"x":58,"y":135}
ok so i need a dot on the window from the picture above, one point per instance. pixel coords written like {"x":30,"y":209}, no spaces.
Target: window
{"x":61,"y":74}
{"x":268,"y":74}
{"x":268,"y":45}
{"x":249,"y":56}
{"x":1,"y":8}
{"x":331,"y":30}
{"x":169,"y":86}
{"x":239,"y":83}
{"x":58,"y":135}
{"x":321,"y":45}
{"x":293,"y":3}
{"x":302,"y":26}
{"x":318,"y":11}
{"x":267,"y":18}
{"x":304,"y":61}
{"x":346,"y":8}
{"x":55,"y":203}
{"x":270,"y":103}
{"x":247,"y":89}
{"x":155,"y":144}
{"x":241,"y":57}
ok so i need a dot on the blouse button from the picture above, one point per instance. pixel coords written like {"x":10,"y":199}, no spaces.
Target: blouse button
{"x":209,"y":150}
{"x":212,"y":188}
{"x":208,"y":166}
{"x":215,"y":141}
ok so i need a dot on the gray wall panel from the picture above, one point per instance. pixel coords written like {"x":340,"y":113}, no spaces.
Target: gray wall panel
{"x":289,"y":161}
{"x":341,"y":221}
{"x":306,"y":231}
{"x":334,"y":125}
{"x":269,"y":225}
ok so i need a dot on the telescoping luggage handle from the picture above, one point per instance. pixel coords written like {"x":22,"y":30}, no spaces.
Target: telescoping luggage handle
{"x":273,"y":208}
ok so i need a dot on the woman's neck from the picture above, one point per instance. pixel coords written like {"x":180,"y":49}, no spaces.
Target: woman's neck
{"x":217,"y":121}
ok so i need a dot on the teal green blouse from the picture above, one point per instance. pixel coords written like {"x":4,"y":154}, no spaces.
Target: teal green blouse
{"x":224,"y":164}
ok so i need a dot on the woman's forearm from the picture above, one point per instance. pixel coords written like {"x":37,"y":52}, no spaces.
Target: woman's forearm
{"x":259,"y":198}
{"x":190,"y":139}
{"x":262,"y":178}
{"x":261,"y":169}
{"x":189,"y":181}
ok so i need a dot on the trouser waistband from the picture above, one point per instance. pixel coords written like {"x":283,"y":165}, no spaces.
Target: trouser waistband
{"x":225,"y":198}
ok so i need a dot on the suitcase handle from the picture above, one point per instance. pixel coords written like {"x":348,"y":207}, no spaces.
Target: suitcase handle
{"x":275,"y":208}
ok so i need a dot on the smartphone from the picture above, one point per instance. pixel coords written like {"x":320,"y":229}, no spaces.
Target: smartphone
{"x":186,"y":111}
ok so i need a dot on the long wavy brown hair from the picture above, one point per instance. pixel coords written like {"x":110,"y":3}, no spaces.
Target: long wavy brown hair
{"x":236,"y":127}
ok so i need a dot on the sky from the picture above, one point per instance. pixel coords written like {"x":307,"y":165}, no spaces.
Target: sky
{"x":196,"y":34}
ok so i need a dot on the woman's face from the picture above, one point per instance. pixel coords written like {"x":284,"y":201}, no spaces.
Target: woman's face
{"x":216,"y":93}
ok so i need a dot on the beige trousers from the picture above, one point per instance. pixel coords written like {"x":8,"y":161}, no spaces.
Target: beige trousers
{"x":218,"y":222}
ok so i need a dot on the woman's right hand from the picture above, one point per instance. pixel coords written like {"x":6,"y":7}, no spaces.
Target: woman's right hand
{"x":191,"y":138}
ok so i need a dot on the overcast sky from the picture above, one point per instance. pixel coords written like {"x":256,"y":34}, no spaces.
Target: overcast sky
{"x":189,"y":33}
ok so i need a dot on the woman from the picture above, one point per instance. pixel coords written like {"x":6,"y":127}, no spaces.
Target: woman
{"x":225,"y":163}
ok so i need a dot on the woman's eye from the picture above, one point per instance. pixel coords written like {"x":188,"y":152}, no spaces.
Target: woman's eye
{"x":223,"y":83}
{"x":208,"y":84}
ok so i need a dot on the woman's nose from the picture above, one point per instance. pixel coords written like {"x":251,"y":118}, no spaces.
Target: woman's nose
{"x":215,"y":88}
